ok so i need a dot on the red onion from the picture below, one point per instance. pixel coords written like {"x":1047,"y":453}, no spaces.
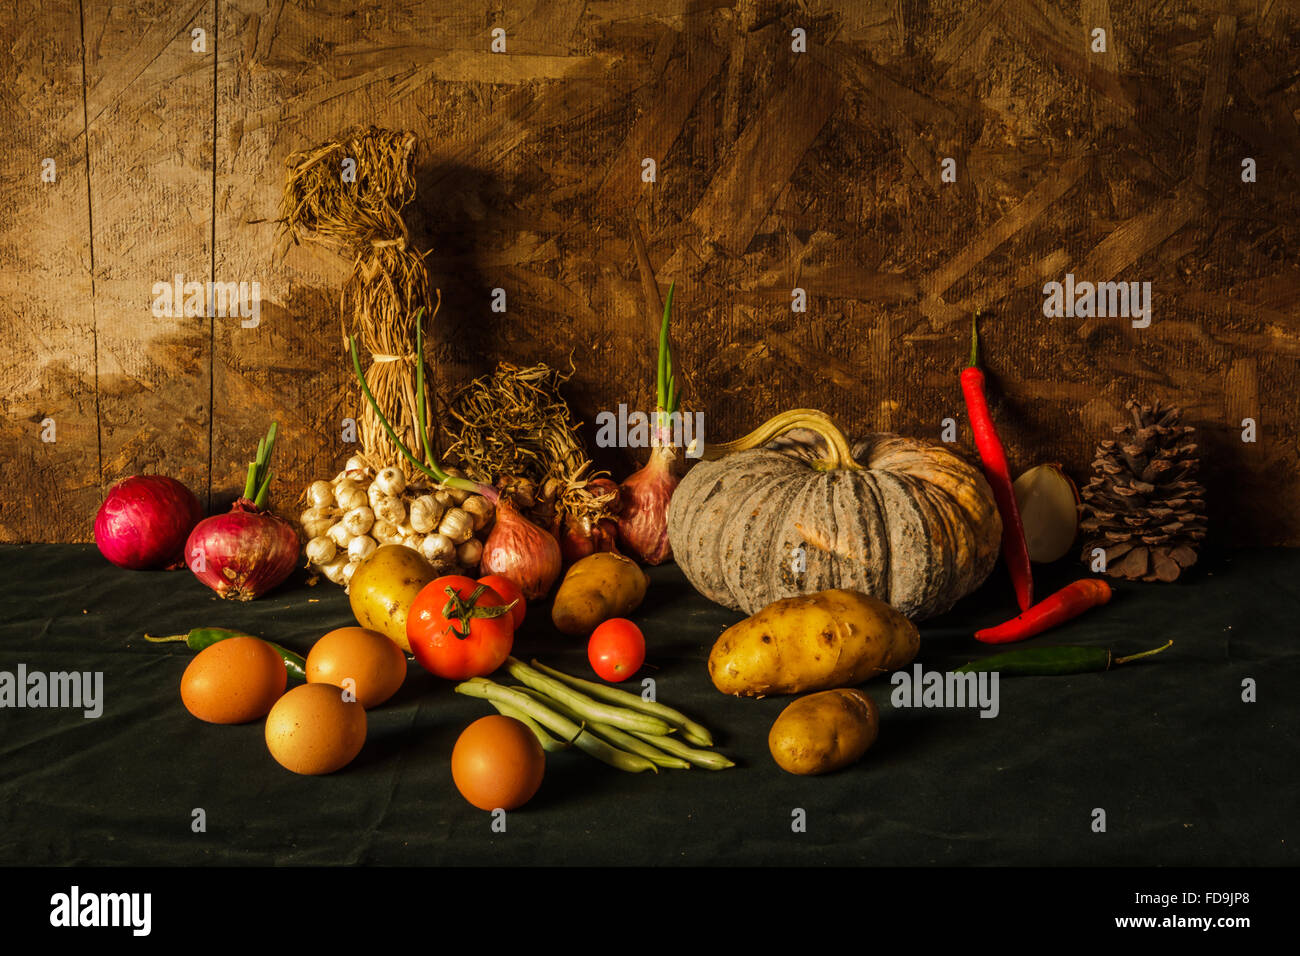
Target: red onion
{"x":643,"y":523}
{"x":244,"y":553}
{"x":519,"y":550}
{"x":583,"y":537}
{"x":143,"y":522}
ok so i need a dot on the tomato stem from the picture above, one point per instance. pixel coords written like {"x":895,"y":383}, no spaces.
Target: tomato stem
{"x":464,"y":610}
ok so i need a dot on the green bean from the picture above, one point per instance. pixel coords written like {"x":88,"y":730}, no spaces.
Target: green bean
{"x":694,"y":732}
{"x":549,"y":743}
{"x":619,"y":738}
{"x":586,"y":707}
{"x":557,"y":723}
{"x":701,"y":758}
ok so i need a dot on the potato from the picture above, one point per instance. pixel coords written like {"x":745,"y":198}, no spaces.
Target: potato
{"x":824,"y":731}
{"x":812,"y":642}
{"x":383,"y":588}
{"x":596,"y":588}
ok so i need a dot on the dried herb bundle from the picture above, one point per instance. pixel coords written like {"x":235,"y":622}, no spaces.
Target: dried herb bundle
{"x":319,"y":204}
{"x":387,"y":293}
{"x":514,"y":424}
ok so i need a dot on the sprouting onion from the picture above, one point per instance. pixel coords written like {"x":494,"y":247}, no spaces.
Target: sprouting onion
{"x":643,"y":522}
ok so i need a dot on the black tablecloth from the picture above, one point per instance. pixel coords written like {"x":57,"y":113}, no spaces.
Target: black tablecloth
{"x":1185,"y":770}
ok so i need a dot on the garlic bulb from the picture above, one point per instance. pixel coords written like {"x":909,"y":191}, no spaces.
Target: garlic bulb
{"x":359,"y":520}
{"x":391,"y":481}
{"x":456,"y":494}
{"x":458,"y":525}
{"x":425,"y":513}
{"x":444,"y":498}
{"x":355,"y":464}
{"x":438,"y":549}
{"x":320,"y":494}
{"x":316,"y":521}
{"x":391,"y":510}
{"x":480,"y":508}
{"x":339,"y":535}
{"x":334,"y":570}
{"x":385,"y":532}
{"x":349,"y":569}
{"x":321,"y":550}
{"x":413,"y":541}
{"x":470,"y":553}
{"x":348,"y":494}
{"x":361,"y":547}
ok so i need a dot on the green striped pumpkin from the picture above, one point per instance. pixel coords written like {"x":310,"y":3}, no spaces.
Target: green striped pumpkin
{"x":906,"y":521}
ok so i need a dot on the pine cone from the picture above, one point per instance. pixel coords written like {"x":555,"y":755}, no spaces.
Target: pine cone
{"x":1144,"y":506}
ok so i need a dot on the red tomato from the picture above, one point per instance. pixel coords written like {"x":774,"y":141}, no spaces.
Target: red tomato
{"x":616,"y":649}
{"x":509,"y":591}
{"x":457,"y":643}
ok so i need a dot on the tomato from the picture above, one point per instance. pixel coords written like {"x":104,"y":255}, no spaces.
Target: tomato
{"x":459,"y":642}
{"x":509,"y":591}
{"x":497,"y":763}
{"x":616,"y":649}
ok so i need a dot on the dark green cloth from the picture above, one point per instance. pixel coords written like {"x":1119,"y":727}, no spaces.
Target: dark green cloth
{"x":1186,"y":772}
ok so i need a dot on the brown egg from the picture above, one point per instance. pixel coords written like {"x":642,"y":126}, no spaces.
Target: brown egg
{"x":375,"y":665}
{"x":233,"y":681}
{"x":313,"y":730}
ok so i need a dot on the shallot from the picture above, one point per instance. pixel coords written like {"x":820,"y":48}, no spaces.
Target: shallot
{"x":521,"y":551}
{"x":247,"y":551}
{"x":643,"y":521}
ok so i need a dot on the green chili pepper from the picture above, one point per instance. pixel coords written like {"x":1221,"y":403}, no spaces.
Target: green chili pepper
{"x":201,"y":637}
{"x":1046,"y":661}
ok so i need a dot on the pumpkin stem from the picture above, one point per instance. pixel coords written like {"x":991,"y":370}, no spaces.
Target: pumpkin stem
{"x":841,"y":456}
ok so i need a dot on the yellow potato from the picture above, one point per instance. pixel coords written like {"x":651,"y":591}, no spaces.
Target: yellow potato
{"x":596,"y":588}
{"x":384,"y":587}
{"x":812,"y":642}
{"x":824,"y":731}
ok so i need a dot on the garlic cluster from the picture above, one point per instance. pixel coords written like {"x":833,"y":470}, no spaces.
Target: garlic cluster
{"x":348,"y":518}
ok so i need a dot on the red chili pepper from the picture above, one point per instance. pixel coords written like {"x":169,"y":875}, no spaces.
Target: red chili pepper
{"x":1069,"y":602}
{"x":998,"y":473}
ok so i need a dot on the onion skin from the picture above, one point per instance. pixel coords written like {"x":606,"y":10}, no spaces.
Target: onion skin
{"x":521,"y":551}
{"x":583,"y":537}
{"x":643,"y":523}
{"x":144,"y":521}
{"x":245,"y":552}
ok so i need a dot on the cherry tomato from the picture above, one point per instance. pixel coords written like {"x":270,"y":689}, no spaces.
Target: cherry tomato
{"x":497,"y":763}
{"x":509,"y":591}
{"x":469,"y":635}
{"x":616,"y":649}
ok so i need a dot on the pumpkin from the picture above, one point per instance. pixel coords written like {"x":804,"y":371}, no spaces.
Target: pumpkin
{"x":791,"y":509}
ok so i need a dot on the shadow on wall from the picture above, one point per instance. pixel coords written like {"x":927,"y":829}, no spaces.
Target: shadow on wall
{"x":450,"y":219}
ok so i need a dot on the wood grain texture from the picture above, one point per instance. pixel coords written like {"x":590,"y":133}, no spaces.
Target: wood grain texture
{"x":776,"y":169}
{"x":151,"y":214}
{"x":47,"y":323}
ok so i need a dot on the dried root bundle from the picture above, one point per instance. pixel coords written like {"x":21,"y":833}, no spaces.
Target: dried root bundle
{"x":319,"y":203}
{"x":514,"y":424}
{"x":388,"y":289}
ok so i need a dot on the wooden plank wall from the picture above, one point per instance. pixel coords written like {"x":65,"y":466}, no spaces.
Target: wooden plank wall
{"x":774,"y":169}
